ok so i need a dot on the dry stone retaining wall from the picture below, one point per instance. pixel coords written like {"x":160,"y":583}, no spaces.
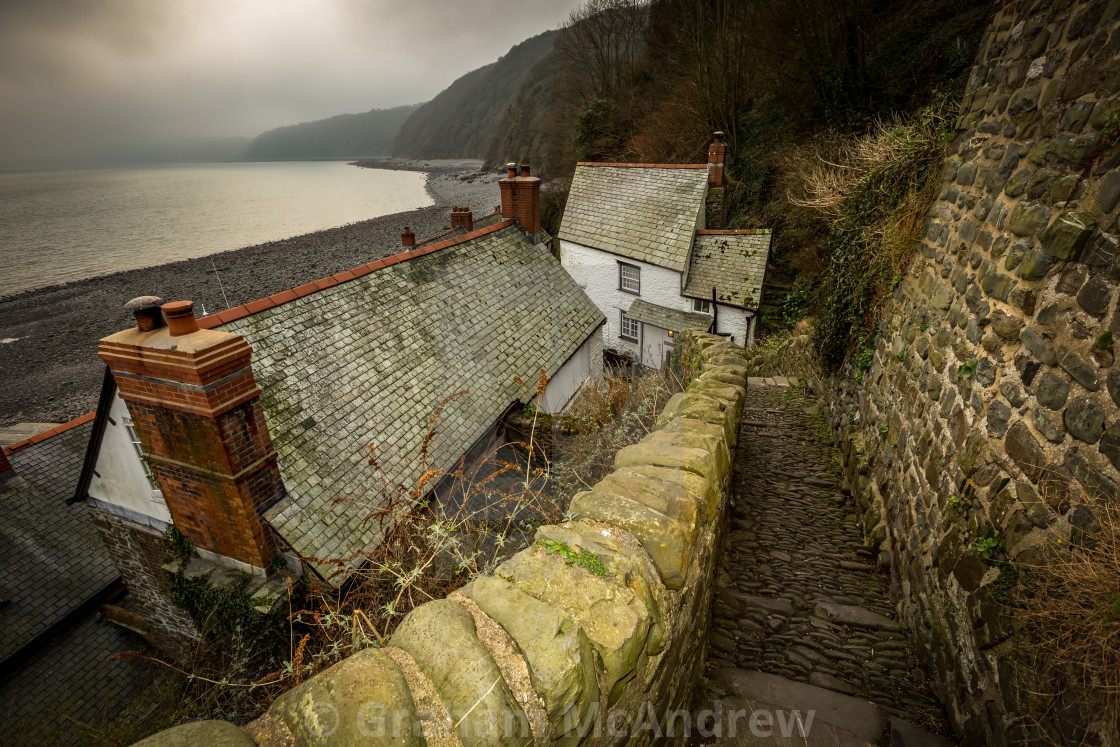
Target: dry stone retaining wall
{"x":993,"y":401}
{"x":599,"y":651}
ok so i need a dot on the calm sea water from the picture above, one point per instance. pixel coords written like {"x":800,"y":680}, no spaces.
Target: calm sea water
{"x":57,"y":226}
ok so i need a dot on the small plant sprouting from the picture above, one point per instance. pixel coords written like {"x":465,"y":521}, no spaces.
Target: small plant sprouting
{"x":988,"y":544}
{"x":584,"y":559}
{"x":884,"y":430}
{"x":954,"y":502}
{"x":966,"y":369}
{"x":901,"y":356}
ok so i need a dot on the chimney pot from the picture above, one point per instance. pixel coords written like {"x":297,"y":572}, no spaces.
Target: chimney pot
{"x":511,"y":170}
{"x":180,"y":318}
{"x":719,"y":135}
{"x":717,"y":157}
{"x":147,"y":312}
{"x":525,"y":170}
{"x":408,"y":238}
{"x":521,"y":199}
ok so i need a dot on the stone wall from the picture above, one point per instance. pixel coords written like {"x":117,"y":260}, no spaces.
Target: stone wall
{"x":993,"y":404}
{"x":593,"y":635}
{"x":137,"y":552}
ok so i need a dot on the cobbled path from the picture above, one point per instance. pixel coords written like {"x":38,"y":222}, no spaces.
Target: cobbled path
{"x":798,"y":594}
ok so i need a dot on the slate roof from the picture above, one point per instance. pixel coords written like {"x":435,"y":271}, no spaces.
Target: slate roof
{"x":367,"y":360}
{"x":666,"y":318}
{"x":732,"y":261}
{"x":645,"y":212}
{"x":51,"y":554}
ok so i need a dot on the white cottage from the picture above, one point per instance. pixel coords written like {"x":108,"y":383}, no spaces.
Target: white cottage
{"x":636,"y":238}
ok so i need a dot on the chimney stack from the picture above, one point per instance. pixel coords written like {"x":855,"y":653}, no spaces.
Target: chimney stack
{"x":717,"y":156}
{"x":146,"y":309}
{"x":408,"y":238}
{"x":180,"y":318}
{"x":196,"y":406}
{"x":521,"y":199}
{"x":461,"y":217}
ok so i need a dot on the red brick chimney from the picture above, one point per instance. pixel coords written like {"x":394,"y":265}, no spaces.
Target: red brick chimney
{"x":717,"y":156}
{"x":195,"y":403}
{"x":408,"y":238}
{"x":521,"y":198}
{"x":461,"y":217}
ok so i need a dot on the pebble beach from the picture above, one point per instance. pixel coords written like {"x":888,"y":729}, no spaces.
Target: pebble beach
{"x":49,"y":371}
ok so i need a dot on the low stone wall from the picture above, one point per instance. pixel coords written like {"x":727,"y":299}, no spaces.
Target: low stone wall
{"x":594,"y":635}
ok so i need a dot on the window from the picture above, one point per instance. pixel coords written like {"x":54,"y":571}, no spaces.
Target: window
{"x":628,"y":327}
{"x":629,"y":278}
{"x":134,"y":437}
{"x":703,"y":307}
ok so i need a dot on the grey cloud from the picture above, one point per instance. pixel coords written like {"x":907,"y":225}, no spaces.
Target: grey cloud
{"x":77,"y":75}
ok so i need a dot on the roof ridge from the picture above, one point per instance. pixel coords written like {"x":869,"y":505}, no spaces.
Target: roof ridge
{"x":645,"y":165}
{"x":51,"y":433}
{"x":730,"y":232}
{"x":283,"y":297}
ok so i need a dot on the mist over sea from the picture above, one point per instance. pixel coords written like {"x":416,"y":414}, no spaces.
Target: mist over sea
{"x":59,"y":226}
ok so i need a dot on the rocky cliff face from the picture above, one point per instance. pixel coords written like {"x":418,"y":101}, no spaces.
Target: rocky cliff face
{"x":989,"y":422}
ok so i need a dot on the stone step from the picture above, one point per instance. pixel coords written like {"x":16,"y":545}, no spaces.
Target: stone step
{"x":758,"y":708}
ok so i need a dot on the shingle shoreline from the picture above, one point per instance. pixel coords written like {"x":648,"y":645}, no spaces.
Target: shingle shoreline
{"x":51,"y":373}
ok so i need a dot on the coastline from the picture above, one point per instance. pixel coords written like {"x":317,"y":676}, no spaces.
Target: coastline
{"x":50,"y":372}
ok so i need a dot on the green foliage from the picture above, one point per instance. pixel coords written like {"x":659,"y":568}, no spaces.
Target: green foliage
{"x":876,"y":231}
{"x":590,"y":126}
{"x":584,"y":559}
{"x":954,"y":502}
{"x":988,"y":544}
{"x":176,"y":544}
{"x":1003,"y":584}
{"x":966,"y":369}
{"x":1104,"y":342}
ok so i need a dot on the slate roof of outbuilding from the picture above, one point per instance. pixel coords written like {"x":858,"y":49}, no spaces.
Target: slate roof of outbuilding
{"x":666,"y":318}
{"x":52,"y":556}
{"x":364,"y":363}
{"x":645,"y":212}
{"x":732,"y":261}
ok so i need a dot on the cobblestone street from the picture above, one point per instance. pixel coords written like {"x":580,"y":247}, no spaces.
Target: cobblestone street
{"x":801,"y":611}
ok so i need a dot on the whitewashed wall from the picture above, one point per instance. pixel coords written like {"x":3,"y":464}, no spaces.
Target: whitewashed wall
{"x":119,"y":480}
{"x":597,"y":273}
{"x":586,"y":362}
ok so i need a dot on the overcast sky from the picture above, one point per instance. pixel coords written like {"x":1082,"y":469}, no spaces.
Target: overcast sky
{"x":77,"y":75}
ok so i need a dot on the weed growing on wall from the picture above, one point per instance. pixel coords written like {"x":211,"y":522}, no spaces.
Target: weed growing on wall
{"x":876,"y":195}
{"x":1069,"y":605}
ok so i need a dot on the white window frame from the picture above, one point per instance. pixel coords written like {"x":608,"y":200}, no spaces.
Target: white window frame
{"x":624,"y":323}
{"x":701,"y":306}
{"x":138,"y":445}
{"x":632,"y":284}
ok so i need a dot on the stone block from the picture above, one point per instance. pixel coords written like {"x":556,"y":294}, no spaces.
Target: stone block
{"x":209,"y":733}
{"x":1027,"y":217}
{"x":440,"y":637}
{"x":1081,"y":369}
{"x":710,"y":442}
{"x":706,"y":491}
{"x":368,"y":698}
{"x":1067,"y":235}
{"x":1095,"y":296}
{"x":668,"y":454}
{"x":668,"y":541}
{"x":1038,"y":347}
{"x":662,"y":496}
{"x":1035,"y":265}
{"x":556,"y":650}
{"x":1025,"y":451}
{"x":614,"y":619}
{"x":703,"y":408}
{"x":1084,"y":419}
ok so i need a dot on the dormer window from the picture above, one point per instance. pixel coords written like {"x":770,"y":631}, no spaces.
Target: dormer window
{"x":702,"y":307}
{"x":629,"y":278}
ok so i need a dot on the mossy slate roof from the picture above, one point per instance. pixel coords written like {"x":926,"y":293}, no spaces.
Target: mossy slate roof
{"x":52,"y":557}
{"x":666,"y":318}
{"x":368,"y":361}
{"x":735,"y":263}
{"x":647,"y":213}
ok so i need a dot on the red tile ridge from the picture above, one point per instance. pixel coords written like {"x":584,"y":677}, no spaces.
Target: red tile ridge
{"x":645,"y":165}
{"x":50,"y":433}
{"x":216,"y":320}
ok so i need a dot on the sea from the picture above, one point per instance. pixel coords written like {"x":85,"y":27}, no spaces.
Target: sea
{"x":58,"y":226}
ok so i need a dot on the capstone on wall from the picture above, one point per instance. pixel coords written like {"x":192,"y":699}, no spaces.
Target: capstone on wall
{"x":993,"y":403}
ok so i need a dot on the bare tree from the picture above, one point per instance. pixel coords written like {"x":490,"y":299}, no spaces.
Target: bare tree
{"x":603,"y":42}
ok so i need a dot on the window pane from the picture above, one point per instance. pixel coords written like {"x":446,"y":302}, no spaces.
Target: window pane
{"x":630,"y":278}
